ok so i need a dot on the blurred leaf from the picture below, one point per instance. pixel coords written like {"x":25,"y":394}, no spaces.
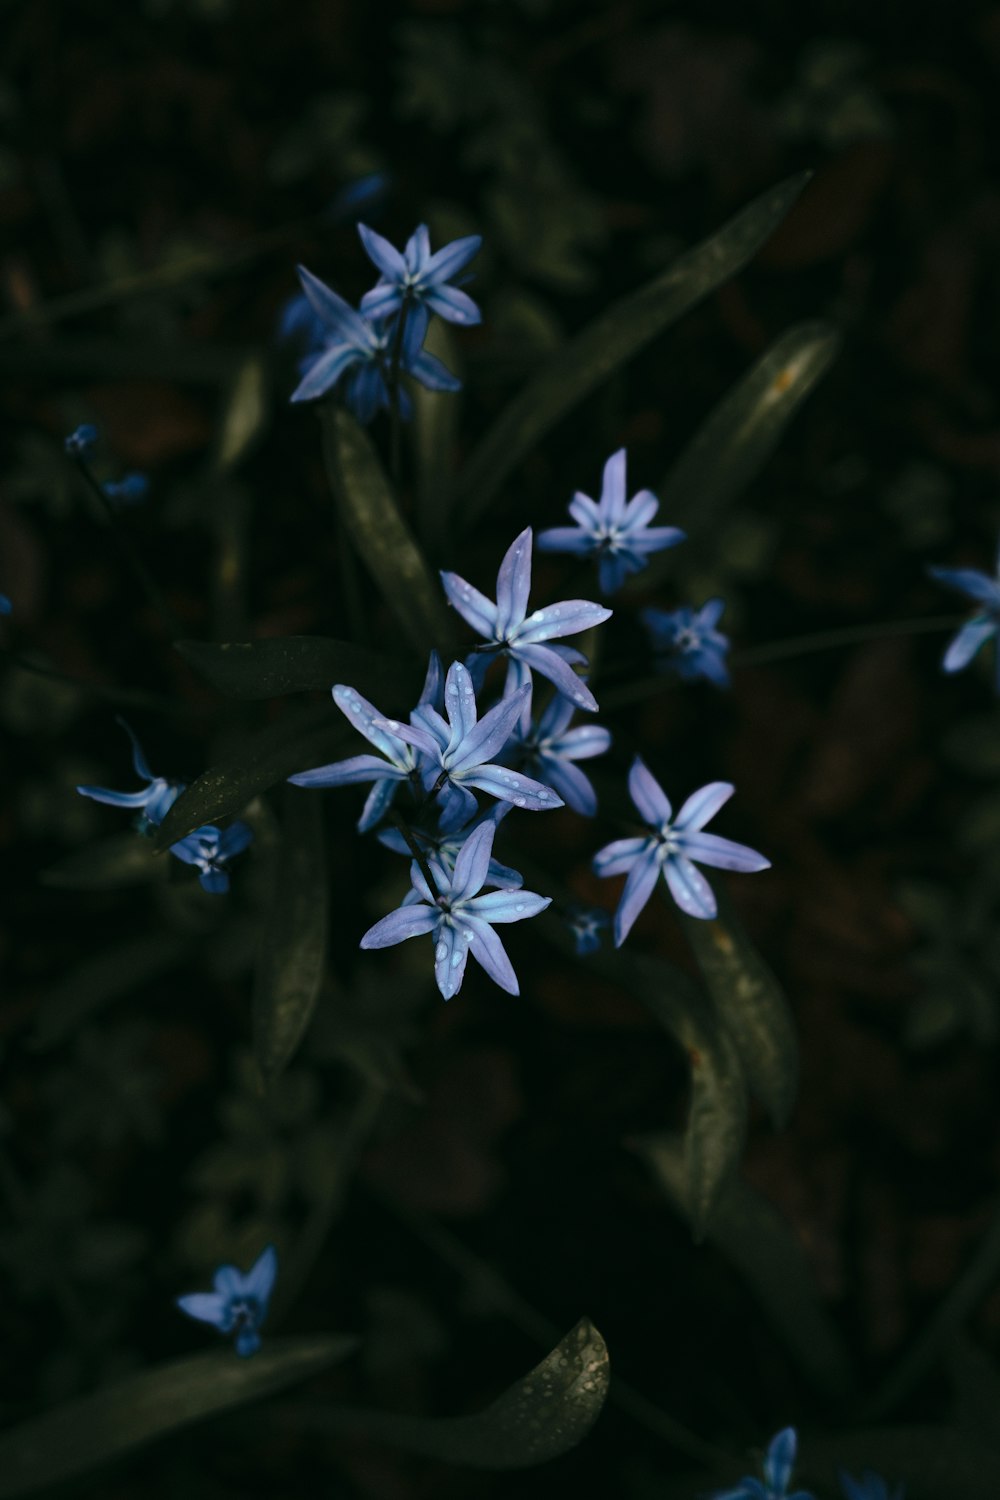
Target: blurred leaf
{"x":752,"y":1005}
{"x":738,"y":437}
{"x":545,"y":1414}
{"x":932,"y":1462}
{"x":293,"y":664}
{"x":244,"y":415}
{"x":292,"y":949}
{"x":975,"y":1383}
{"x":302,"y":739}
{"x":435,"y":429}
{"x":97,"y":981}
{"x":586,"y":361}
{"x":763,"y":1249}
{"x":974,"y":745}
{"x":382,"y":537}
{"x":108,"y":865}
{"x":79,"y":1434}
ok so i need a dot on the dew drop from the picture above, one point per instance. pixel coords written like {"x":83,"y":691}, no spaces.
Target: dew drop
{"x":441,"y":952}
{"x":519,"y":906}
{"x":456,"y":959}
{"x":519,"y":801}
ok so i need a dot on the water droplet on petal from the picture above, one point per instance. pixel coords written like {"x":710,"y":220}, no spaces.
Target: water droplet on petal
{"x":441,"y":952}
{"x":519,"y":801}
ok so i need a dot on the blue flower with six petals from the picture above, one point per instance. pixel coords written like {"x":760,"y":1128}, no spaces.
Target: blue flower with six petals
{"x":419,"y":279}
{"x":689,"y":642}
{"x":154,"y":801}
{"x":210,"y":849}
{"x":983,"y":626}
{"x":239,"y":1303}
{"x":779,"y":1461}
{"x":587,"y":923}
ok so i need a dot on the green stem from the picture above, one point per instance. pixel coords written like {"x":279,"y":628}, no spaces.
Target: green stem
{"x":418,"y":854}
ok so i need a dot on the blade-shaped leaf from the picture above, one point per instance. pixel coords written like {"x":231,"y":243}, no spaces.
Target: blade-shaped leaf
{"x":752,"y":1005}
{"x":744,"y":429}
{"x":245,"y":414}
{"x":304,"y":738}
{"x":752,"y":1235}
{"x":435,"y":432}
{"x":294,"y":664}
{"x":290,"y":959}
{"x":380,"y":534}
{"x":545,"y":1414}
{"x":80,"y":1434}
{"x":108,"y":865}
{"x":614,"y":337}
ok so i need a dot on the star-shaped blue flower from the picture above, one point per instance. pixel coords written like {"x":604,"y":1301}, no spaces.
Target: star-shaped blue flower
{"x":614,"y":529}
{"x":419,"y":278}
{"x":523,"y":638}
{"x":458,"y":917}
{"x":983,"y":625}
{"x":82,"y":441}
{"x":210,"y":849}
{"x":550,"y":747}
{"x":444,"y":842}
{"x":153,"y":801}
{"x":869,"y":1487}
{"x":458,"y":753}
{"x":587,"y":923}
{"x":670,"y":850}
{"x":239,"y":1303}
{"x":779,"y":1461}
{"x":689,"y":642}
{"x":361,"y":348}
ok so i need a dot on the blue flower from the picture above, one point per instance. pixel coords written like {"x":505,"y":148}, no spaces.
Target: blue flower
{"x":362,"y":192}
{"x":361,"y":348}
{"x":80,"y":444}
{"x":131,"y":489}
{"x":457,"y":754}
{"x":983,"y":626}
{"x":400,"y":763}
{"x":419,"y":279}
{"x":508,"y":627}
{"x":689,"y":641}
{"x":779,"y":1462}
{"x":156,"y":798}
{"x":239,"y":1302}
{"x":210,"y":849}
{"x":458,"y":917}
{"x":675,"y":842}
{"x":6,"y":607}
{"x":445,"y":842}
{"x":550,"y":748}
{"x":869,"y":1487}
{"x":586,"y":923}
{"x":614,"y":530}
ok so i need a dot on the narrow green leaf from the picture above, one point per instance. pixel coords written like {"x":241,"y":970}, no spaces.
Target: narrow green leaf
{"x":244,"y":415}
{"x":382,"y":537}
{"x":293,"y":664}
{"x":96,"y":982}
{"x":752,"y":1235}
{"x":737,"y":438}
{"x":545,"y":1414}
{"x":752,"y":1006}
{"x":80,"y":1434}
{"x":435,"y":435}
{"x":303,"y":739}
{"x":290,"y":959}
{"x":586,"y":361}
{"x":110,"y":864}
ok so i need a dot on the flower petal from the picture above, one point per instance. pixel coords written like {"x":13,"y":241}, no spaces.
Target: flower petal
{"x":383,"y":255}
{"x":642,"y":878}
{"x":459,"y":704}
{"x":689,"y":888}
{"x":702,"y":806}
{"x":970,"y":581}
{"x":566,"y":539}
{"x":259,"y":1280}
{"x":489,"y":736}
{"x":472,"y":862}
{"x":613,"y":489}
{"x":348,"y":772}
{"x":405,"y":922}
{"x":337,"y":313}
{"x":973,"y":634}
{"x":508,"y":906}
{"x":512,"y":786}
{"x":548,"y":661}
{"x":711,"y":613}
{"x":139,"y":760}
{"x":618,"y":857}
{"x":639,"y":511}
{"x":377,"y":804}
{"x":648,"y":795}
{"x":489,"y":952}
{"x":780,"y":1459}
{"x":454,"y":305}
{"x":585,"y":511}
{"x":432,"y":372}
{"x":323,"y":374}
{"x":474,"y":607}
{"x":557,"y":620}
{"x":206,"y":1307}
{"x":582,"y":743}
{"x":451,"y":952}
{"x":450,"y":259}
{"x":115,"y":799}
{"x":573,"y":786}
{"x":514,"y":584}
{"x":382,"y":301}
{"x":723,"y":854}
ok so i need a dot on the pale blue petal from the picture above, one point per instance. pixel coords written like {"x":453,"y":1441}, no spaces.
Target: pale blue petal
{"x":618,"y":857}
{"x":377,"y":804}
{"x":554,"y":718}
{"x":382,"y":301}
{"x":457,"y":802}
{"x":557,"y":620}
{"x":655,"y":538}
{"x":649,"y":797}
{"x":334,"y":311}
{"x":385,"y":257}
{"x":474,"y":607}
{"x":323,"y":374}
{"x":215,"y":882}
{"x":139,"y":760}
{"x":612,"y":570}
{"x":206,"y":1307}
{"x":642,"y":878}
{"x":702,"y":806}
{"x":508,"y":906}
{"x":514,"y":584}
{"x":247,"y":1342}
{"x":349,"y":772}
{"x":780,"y":1459}
{"x":451,"y":259}
{"x":689,"y":888}
{"x":490,"y":735}
{"x":237,"y":837}
{"x":572,"y":785}
{"x":115,"y":799}
{"x":405,"y":922}
{"x":459,"y":704}
{"x":228,"y":1282}
{"x":453,"y":305}
{"x":512,"y":786}
{"x":639,"y":511}
{"x":432,"y":373}
{"x":418,"y":250}
{"x":473,"y":862}
{"x":711,"y":613}
{"x":566,"y":539}
{"x":451,"y":952}
{"x":414,"y":735}
{"x":489,"y":952}
{"x":723,"y":854}
{"x":548,"y":661}
{"x":971,"y":582}
{"x":585,"y":511}
{"x":613,"y":489}
{"x":259,"y":1280}
{"x":582,"y":743}
{"x":973,"y":634}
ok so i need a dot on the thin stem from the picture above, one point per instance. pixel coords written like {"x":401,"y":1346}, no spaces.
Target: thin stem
{"x":395,"y":457}
{"x":143,"y":576}
{"x":417,"y":853}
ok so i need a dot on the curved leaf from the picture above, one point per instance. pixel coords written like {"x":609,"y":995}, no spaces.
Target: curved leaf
{"x":79,"y":1434}
{"x":752,"y":1005}
{"x":290,"y":959}
{"x":629,"y":324}
{"x":435,"y":433}
{"x":108,"y":865}
{"x":382,"y":537}
{"x":752,"y":1235}
{"x":246,"y":411}
{"x":293,"y":664}
{"x":545,"y":1414}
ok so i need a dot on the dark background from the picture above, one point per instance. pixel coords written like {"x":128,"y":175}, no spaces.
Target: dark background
{"x":163,"y":167}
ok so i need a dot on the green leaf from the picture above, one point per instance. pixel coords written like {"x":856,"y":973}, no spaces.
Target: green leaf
{"x":629,"y":324}
{"x":292,"y":951}
{"x":974,"y":745}
{"x":245,"y":414}
{"x":762,"y":1248}
{"x":294,"y":664}
{"x":744,"y":429}
{"x":97,"y":981}
{"x":752,"y":1006}
{"x":435,"y":434}
{"x":382,"y":537}
{"x":301,"y":740}
{"x":545,"y":1414}
{"x":80,"y":1434}
{"x":111,"y":864}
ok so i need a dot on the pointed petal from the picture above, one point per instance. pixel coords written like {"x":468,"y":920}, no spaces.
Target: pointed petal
{"x":383,"y":255}
{"x":548,"y":661}
{"x":702,"y":806}
{"x":247,"y":1342}
{"x":259,"y":1280}
{"x":489,"y":952}
{"x":689,"y":888}
{"x":349,"y":772}
{"x":382,"y":301}
{"x":642,"y":878}
{"x":206,"y":1307}
{"x":566,"y":539}
{"x":618,"y":857}
{"x":490,"y":735}
{"x":711,"y":613}
{"x":377,"y":804}
{"x":237,"y":837}
{"x":139,"y":760}
{"x":366,"y":391}
{"x":335,"y":312}
{"x":115,"y":799}
{"x":556,"y":620}
{"x":613,"y":489}
{"x":512,"y":786}
{"x":572,"y":785}
{"x":405,"y":922}
{"x":453,"y":305}
{"x":474,"y":607}
{"x":554,"y":719}
{"x":655,"y":539}
{"x":969,"y":581}
{"x":418,"y":250}
{"x":514,"y":584}
{"x":640,"y":510}
{"x":459,"y":704}
{"x":451,"y":952}
{"x":323,"y":374}
{"x":432,"y":372}
{"x":450,"y":259}
{"x":723,"y":854}
{"x":612,"y":570}
{"x":413,"y":734}
{"x":457,"y":802}
{"x":649,"y":797}
{"x":585,"y":512}
{"x":973,"y":634}
{"x":431,"y":692}
{"x":414,"y":332}
{"x":215,"y":882}
{"x":508,"y":906}
{"x":472,"y":862}
{"x":780,"y":1459}
{"x":228,"y":1282}
{"x":582,"y":743}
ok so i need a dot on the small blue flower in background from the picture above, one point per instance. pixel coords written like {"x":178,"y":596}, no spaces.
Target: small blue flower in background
{"x":364,"y":192}
{"x":550,"y":747}
{"x":131,"y":489}
{"x":154,"y":801}
{"x":458,"y":917}
{"x":869,"y":1487}
{"x":675,"y":843}
{"x":210,"y":849}
{"x":239,"y":1303}
{"x":361,"y":348}
{"x":689,"y":642}
{"x":81,"y":442}
{"x":613,"y":529}
{"x":419,"y":279}
{"x":983,"y":626}
{"x":524,"y":638}
{"x":6,"y":607}
{"x":779,"y":1461}
{"x":587,"y":923}
{"x":445,"y":843}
